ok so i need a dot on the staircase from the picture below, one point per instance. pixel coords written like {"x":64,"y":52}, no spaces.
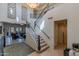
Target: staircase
{"x":43,"y":46}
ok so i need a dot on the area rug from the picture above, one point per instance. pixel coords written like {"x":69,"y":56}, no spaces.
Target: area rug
{"x":18,"y":49}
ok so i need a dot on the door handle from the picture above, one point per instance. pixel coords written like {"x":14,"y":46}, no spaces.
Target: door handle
{"x":63,"y":37}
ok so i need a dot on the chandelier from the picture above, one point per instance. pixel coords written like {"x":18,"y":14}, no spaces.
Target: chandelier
{"x":33,"y":5}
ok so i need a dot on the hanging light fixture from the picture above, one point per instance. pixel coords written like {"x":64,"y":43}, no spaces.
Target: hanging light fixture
{"x":33,"y":5}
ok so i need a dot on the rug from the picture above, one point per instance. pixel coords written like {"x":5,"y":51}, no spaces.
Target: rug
{"x":18,"y":49}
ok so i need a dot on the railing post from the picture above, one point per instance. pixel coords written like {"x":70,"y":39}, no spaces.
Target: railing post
{"x":39,"y":47}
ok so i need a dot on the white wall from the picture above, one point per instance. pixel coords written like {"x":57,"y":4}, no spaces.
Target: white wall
{"x":30,"y":41}
{"x":63,"y":11}
{"x":3,"y":13}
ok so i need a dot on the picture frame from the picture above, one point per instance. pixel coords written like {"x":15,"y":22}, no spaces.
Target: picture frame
{"x":11,"y":10}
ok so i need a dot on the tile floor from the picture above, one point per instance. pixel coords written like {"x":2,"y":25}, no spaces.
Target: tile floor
{"x":20,"y":50}
{"x":49,"y":52}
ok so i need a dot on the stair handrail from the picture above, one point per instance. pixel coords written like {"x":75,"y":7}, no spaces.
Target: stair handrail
{"x":43,"y":32}
{"x":42,"y":12}
{"x":37,"y":41}
{"x":29,"y":26}
{"x":47,"y":8}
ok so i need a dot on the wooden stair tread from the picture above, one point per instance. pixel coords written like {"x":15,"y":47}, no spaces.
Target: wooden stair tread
{"x":43,"y":44}
{"x":44,"y":48}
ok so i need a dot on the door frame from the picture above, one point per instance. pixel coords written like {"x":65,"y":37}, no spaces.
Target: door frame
{"x":55,"y":31}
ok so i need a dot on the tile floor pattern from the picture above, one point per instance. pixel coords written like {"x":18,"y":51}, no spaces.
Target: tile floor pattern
{"x":49,"y":52}
{"x":19,"y":49}
{"x":23,"y":50}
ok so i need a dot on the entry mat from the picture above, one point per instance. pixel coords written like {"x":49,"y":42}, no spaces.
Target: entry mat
{"x":18,"y":49}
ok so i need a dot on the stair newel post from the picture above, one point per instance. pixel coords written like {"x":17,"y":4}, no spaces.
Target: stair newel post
{"x":39,"y":47}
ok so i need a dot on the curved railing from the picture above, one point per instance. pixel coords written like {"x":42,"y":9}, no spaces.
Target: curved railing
{"x":47,"y":8}
{"x":35,"y":37}
{"x":36,"y":25}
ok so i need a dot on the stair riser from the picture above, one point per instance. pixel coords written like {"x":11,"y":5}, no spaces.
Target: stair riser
{"x":42,"y":42}
{"x":42,"y":50}
{"x":43,"y":45}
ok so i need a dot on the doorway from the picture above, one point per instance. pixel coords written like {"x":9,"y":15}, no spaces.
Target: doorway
{"x":14,"y":33}
{"x":60,"y":34}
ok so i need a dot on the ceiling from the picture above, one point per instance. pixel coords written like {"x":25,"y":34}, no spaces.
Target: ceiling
{"x":41,"y":7}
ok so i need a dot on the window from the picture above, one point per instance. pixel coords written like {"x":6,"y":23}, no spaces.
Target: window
{"x":24,"y":13}
{"x":34,"y":14}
